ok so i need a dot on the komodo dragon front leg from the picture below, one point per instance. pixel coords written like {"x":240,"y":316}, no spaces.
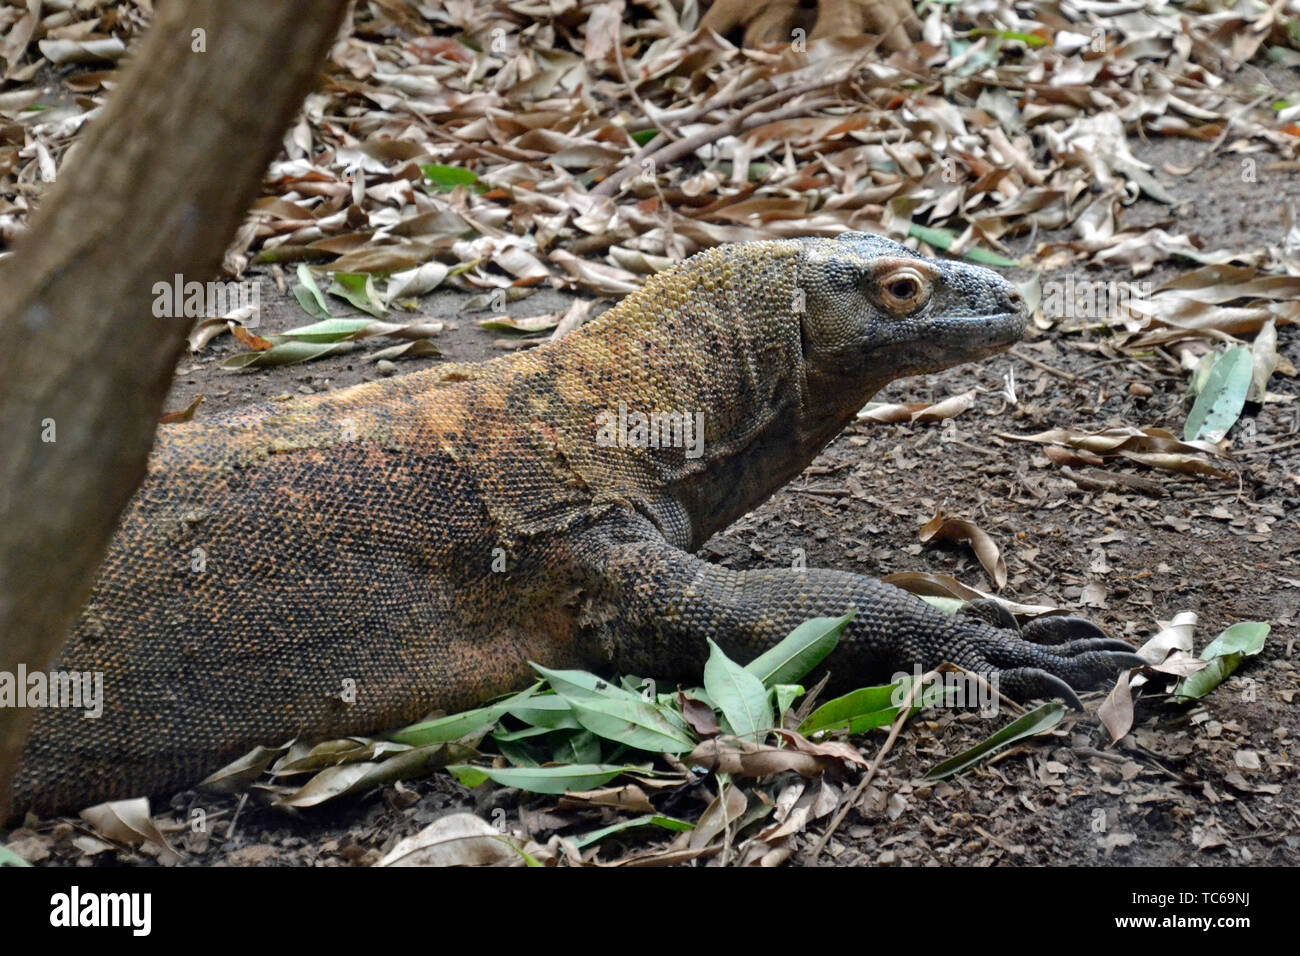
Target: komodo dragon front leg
{"x":657,"y":605}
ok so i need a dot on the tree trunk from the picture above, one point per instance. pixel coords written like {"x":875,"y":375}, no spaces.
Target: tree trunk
{"x":157,"y":186}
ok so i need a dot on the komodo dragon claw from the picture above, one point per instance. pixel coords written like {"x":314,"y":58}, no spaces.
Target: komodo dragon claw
{"x":1079,"y":649}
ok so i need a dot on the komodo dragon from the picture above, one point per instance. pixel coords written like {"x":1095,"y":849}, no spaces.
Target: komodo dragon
{"x":427,"y":536}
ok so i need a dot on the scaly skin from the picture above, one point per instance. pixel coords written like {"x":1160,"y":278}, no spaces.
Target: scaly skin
{"x":418,"y":540}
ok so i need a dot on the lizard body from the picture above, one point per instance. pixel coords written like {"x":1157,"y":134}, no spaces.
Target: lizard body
{"x":420,"y":539}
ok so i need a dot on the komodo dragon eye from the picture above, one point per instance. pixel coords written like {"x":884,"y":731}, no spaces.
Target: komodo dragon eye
{"x":904,"y":290}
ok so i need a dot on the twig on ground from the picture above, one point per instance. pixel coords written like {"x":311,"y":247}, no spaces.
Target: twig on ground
{"x":903,"y":713}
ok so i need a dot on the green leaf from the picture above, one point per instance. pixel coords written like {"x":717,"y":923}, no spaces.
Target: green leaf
{"x":328,"y":330}
{"x":549,"y":711}
{"x":1032,"y":724}
{"x":581,"y":684}
{"x":1224,"y":653}
{"x":447,"y":178}
{"x":668,"y":823}
{"x":9,"y":858}
{"x":309,"y":295}
{"x":944,"y":238}
{"x":524,"y":734}
{"x":289,"y":353}
{"x":860,"y":711}
{"x":1028,"y":39}
{"x":308,"y":303}
{"x":1222,"y":397}
{"x":617,"y":714}
{"x":641,"y":137}
{"x":739,"y":694}
{"x":524,"y":325}
{"x":1245,"y":638}
{"x":457,"y":726}
{"x":538,"y":779}
{"x":786,"y":694}
{"x":634,"y":723}
{"x":643,"y":687}
{"x":520,"y":754}
{"x":802,"y":650}
{"x":468,"y":775}
{"x":359,"y":289}
{"x":576,"y":748}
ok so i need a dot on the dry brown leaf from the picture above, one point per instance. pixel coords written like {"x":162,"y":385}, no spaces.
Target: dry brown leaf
{"x":1069,"y":457}
{"x":726,"y":808}
{"x":185,"y":415}
{"x":948,"y":408}
{"x":743,"y":758}
{"x":1263,"y":357}
{"x":1116,"y":711}
{"x":959,"y":530}
{"x":459,"y":839}
{"x":699,"y":715}
{"x":835,"y":749}
{"x":891,"y":413}
{"x":943,"y":585}
{"x":250,"y":341}
{"x":628,"y":797}
{"x":128,"y":822}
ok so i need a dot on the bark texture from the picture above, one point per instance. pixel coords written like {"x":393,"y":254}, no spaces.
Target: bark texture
{"x":158,"y":186}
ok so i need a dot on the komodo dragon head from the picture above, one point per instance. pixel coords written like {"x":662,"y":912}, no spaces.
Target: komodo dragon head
{"x":780,"y":343}
{"x":873,"y":302}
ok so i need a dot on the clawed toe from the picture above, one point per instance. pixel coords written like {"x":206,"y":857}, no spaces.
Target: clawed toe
{"x":1093,"y":644}
{"x":1047,"y":658}
{"x":1028,"y":683}
{"x":990,"y":612}
{"x":1060,"y":675}
{"x":1122,"y":659}
{"x":1060,"y":630}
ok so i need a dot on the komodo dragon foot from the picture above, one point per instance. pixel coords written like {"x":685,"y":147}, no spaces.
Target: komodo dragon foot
{"x":1079,"y":649}
{"x":670,"y":601}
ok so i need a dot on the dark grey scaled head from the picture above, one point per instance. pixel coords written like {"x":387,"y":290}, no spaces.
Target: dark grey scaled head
{"x":874,"y":310}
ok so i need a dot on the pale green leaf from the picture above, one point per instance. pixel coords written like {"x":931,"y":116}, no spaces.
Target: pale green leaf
{"x":1224,"y":653}
{"x":359,"y":289}
{"x":1222,"y":397}
{"x":739,"y":694}
{"x":570,"y":777}
{"x":798,"y":653}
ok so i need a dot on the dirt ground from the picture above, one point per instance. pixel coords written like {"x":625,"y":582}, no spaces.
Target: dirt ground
{"x":1209,"y":784}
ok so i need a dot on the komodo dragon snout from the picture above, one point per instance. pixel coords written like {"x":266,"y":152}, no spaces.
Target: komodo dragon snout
{"x":406,"y":545}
